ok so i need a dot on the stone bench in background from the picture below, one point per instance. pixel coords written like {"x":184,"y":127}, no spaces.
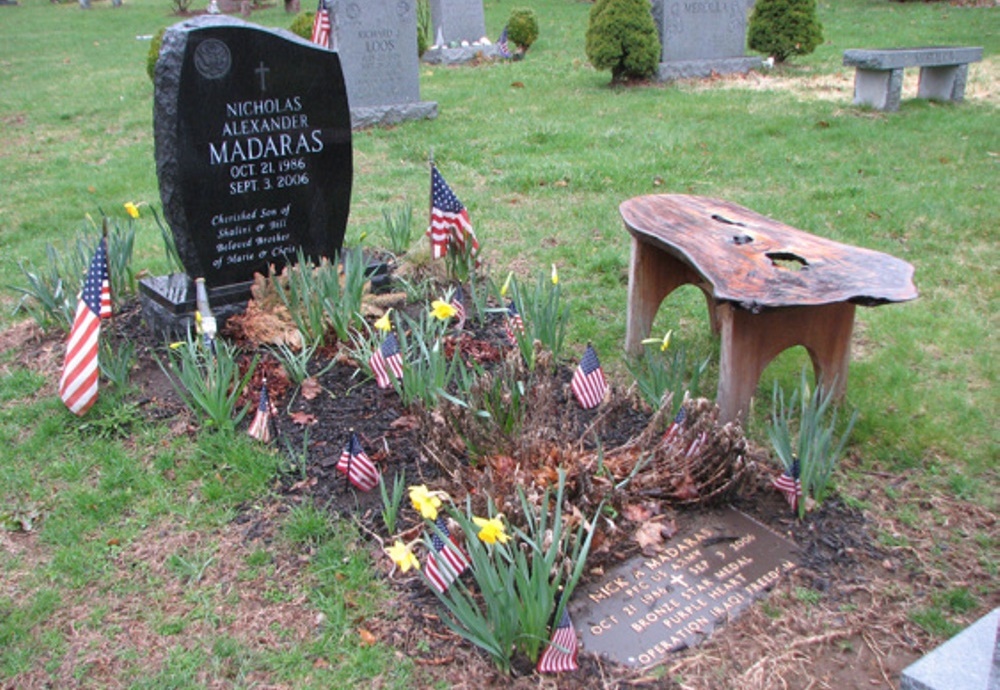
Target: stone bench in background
{"x":878,"y":77}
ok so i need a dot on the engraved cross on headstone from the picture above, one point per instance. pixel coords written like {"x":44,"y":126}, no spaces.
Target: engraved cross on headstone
{"x":262,"y":71}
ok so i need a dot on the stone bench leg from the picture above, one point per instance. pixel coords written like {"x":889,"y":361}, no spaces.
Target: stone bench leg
{"x":653,"y":274}
{"x":943,"y":83}
{"x":751,"y":341}
{"x":880,"y":88}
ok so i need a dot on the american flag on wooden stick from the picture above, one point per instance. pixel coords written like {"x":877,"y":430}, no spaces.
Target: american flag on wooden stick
{"x":449,"y":220}
{"x":447,"y":561}
{"x":790,"y":484}
{"x":385,"y":359}
{"x":673,"y":431}
{"x":560,"y":654}
{"x":321,"y":25}
{"x":589,"y":384}
{"x":458,"y":302}
{"x":261,"y":427}
{"x":358,"y":467}
{"x":514,"y":323}
{"x":78,"y":383}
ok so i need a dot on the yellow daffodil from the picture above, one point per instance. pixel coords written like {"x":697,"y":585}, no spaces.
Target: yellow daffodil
{"x":664,"y":343}
{"x":425,"y":502}
{"x":555,"y":275}
{"x":383,"y":323}
{"x":492,"y":530}
{"x":402,"y":556}
{"x":176,"y":345}
{"x":131,"y":209}
{"x":506,"y":284}
{"x":442,"y":310}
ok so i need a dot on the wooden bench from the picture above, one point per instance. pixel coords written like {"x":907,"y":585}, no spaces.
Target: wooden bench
{"x":768,"y":286}
{"x":878,"y":75}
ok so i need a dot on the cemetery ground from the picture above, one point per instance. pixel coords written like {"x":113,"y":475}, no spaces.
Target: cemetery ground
{"x":140,"y":550}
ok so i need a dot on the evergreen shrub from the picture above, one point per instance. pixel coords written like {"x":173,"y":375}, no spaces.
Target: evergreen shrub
{"x":522,"y":27}
{"x":622,"y":37}
{"x":782,"y":28}
{"x":302,"y":25}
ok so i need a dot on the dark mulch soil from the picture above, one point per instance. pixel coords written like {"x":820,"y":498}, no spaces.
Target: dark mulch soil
{"x":832,"y":543}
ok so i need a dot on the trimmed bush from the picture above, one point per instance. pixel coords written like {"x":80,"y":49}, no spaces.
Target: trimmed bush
{"x":782,"y":28}
{"x":522,"y":27}
{"x":622,"y":37}
{"x":302,"y":25}
{"x":154,"y":53}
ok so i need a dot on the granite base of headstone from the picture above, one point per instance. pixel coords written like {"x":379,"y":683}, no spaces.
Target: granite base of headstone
{"x":968,"y":661}
{"x":375,"y":115}
{"x":700,"y":69}
{"x":717,"y":564}
{"x":702,"y":38}
{"x":168,"y":304}
{"x":377,"y":44}
{"x":460,"y":55}
{"x":8,"y":2}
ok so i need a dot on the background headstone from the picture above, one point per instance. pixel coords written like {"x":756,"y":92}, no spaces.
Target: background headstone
{"x":377,"y":43}
{"x":253,"y":153}
{"x":709,"y":572}
{"x":458,"y":20}
{"x":698,"y":37}
{"x":968,"y":661}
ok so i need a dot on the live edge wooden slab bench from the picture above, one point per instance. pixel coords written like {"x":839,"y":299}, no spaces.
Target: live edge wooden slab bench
{"x":878,"y":74}
{"x":768,"y":286}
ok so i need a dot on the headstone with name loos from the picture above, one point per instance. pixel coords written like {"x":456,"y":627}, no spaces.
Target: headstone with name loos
{"x":253,"y":154}
{"x":377,"y":43}
{"x":699,"y":37}
{"x":717,"y":564}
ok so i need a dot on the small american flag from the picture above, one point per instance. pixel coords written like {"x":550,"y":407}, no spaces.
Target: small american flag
{"x":676,"y":427}
{"x":560,"y":655}
{"x":790,"y":485}
{"x":589,"y":384}
{"x":354,"y":462}
{"x":449,"y":219}
{"x":696,"y":443}
{"x":387,"y":358}
{"x":78,"y":383}
{"x":321,"y":25}
{"x":260,"y":427}
{"x":502,"y":44}
{"x":514,"y":324}
{"x":458,"y":302}
{"x":448,"y":561}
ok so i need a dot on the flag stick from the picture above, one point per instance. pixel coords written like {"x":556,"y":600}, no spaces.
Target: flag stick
{"x":104,"y":236}
{"x":350,"y":458}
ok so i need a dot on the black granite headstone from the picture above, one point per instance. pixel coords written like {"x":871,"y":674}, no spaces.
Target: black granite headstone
{"x":253,"y":147}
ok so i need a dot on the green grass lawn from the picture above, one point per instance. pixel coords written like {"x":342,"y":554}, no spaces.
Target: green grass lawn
{"x":541,"y":151}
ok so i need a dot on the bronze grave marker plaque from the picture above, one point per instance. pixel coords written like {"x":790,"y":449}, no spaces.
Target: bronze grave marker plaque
{"x":710,"y":571}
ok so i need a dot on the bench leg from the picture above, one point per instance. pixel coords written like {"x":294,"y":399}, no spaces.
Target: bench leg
{"x":943,"y":83}
{"x":882,"y":89}
{"x":751,"y":341}
{"x":653,"y":274}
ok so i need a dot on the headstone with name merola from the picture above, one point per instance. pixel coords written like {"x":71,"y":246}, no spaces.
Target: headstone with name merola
{"x":253,"y":152}
{"x":377,"y":44}
{"x":699,"y":37}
